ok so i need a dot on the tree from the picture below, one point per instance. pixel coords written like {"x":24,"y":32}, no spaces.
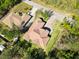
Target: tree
{"x":61,"y":54}
{"x":46,"y":15}
{"x":6,"y":5}
{"x":76,"y":55}
{"x":10,"y":52}
{"x":37,"y":54}
{"x":65,"y":54}
{"x":53,"y":54}
{"x":71,"y":35}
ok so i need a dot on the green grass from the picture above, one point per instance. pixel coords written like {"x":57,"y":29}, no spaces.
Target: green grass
{"x":66,"y":6}
{"x":54,"y":37}
{"x":6,"y":5}
{"x":1,"y":41}
{"x":22,"y":7}
{"x":43,"y":14}
{"x":9,"y":33}
{"x":74,"y":46}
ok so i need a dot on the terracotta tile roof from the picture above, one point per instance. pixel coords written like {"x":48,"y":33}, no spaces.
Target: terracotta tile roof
{"x":43,"y":33}
{"x":37,"y":25}
{"x":38,"y":35}
{"x":26,"y":18}
{"x":7,"y":20}
{"x":16,"y":19}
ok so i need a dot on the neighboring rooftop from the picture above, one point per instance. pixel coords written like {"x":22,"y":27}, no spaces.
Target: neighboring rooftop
{"x":13,"y":18}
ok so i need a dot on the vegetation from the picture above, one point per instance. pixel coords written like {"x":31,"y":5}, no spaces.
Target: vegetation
{"x":6,"y":5}
{"x":44,"y":14}
{"x":71,"y":37}
{"x":63,"y":54}
{"x":70,"y":6}
{"x":72,"y":26}
{"x":68,"y":45}
{"x":22,"y":50}
{"x":9,"y":33}
{"x":22,"y":7}
{"x":1,"y":41}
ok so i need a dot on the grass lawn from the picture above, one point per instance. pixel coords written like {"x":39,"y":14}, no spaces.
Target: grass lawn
{"x":22,"y":7}
{"x":9,"y":33}
{"x":65,"y":8}
{"x":57,"y":32}
{"x":1,"y":41}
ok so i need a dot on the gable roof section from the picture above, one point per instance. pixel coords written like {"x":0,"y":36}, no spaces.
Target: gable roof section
{"x":13,"y":18}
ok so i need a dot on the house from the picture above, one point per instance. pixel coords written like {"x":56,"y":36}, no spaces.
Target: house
{"x":20,"y":19}
{"x":37,"y":34}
